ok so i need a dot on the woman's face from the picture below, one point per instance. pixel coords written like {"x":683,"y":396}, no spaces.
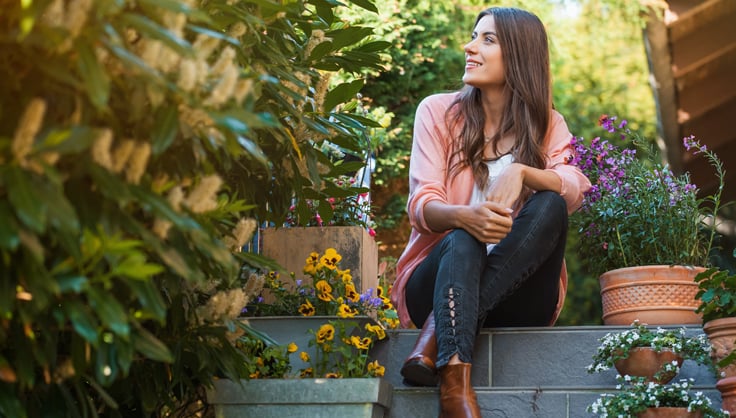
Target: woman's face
{"x":483,"y":61}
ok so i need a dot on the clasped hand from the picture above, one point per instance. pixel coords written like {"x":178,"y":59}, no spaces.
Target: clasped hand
{"x":490,"y":222}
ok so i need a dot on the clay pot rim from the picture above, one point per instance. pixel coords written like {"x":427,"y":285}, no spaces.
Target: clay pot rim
{"x":659,"y":266}
{"x":719,"y":322}
{"x":726,"y":382}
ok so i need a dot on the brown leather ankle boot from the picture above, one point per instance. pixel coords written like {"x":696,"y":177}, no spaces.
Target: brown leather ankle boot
{"x":457,"y":397}
{"x":419,"y":368}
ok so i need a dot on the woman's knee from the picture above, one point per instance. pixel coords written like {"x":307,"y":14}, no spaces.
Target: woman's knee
{"x":462,"y":242}
{"x":552,"y":204}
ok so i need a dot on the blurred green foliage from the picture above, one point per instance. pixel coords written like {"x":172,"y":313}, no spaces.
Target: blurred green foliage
{"x":139,"y":141}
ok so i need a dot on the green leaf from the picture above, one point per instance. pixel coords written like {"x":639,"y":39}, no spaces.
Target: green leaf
{"x":213,"y":34}
{"x":366,"y":4}
{"x":150,"y":346}
{"x":254,"y":151}
{"x":152,"y":29}
{"x":134,"y":266}
{"x":160,"y":206}
{"x":342,"y":93}
{"x":72,"y":283}
{"x":83,"y":321}
{"x":94,"y":76}
{"x":128,"y":58}
{"x":348,"y":36}
{"x":348,"y":167}
{"x":69,"y":141}
{"x":23,"y":193}
{"x":110,"y":185}
{"x":150,"y":299}
{"x":165,"y":129}
{"x":374,"y":46}
{"x":321,"y":50}
{"x":109,"y":310}
{"x":8,"y":228}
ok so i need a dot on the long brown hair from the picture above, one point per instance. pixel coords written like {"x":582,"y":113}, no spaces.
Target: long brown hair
{"x":528,"y":98}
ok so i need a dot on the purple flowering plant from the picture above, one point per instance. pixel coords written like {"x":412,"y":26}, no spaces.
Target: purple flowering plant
{"x":638,"y":212}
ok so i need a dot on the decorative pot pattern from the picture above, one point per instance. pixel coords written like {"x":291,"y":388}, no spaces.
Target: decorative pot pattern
{"x":655,"y":295}
{"x":669,"y":412}
{"x":727,"y":387}
{"x":722,"y":335}
{"x":645,"y":362}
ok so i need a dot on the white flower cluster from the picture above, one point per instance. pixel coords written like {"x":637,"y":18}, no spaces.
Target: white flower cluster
{"x":615,"y":346}
{"x":201,"y":198}
{"x":637,"y":395}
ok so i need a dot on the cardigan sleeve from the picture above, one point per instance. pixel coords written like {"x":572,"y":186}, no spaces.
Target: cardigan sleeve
{"x":428,"y":161}
{"x":559,"y":151}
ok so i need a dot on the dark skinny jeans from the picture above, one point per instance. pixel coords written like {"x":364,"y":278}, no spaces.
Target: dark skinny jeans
{"x":517,"y":284}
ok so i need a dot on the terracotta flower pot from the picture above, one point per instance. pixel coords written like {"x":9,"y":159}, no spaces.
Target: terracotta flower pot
{"x":727,"y":387}
{"x":722,"y":336}
{"x":645,"y":362}
{"x":669,"y":412}
{"x":655,"y":295}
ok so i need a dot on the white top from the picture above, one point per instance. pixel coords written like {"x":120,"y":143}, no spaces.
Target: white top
{"x":495,"y":167}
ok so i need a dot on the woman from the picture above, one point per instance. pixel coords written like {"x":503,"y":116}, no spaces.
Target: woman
{"x":490,"y":193}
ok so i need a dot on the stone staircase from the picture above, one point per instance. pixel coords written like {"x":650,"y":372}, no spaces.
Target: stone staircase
{"x":523,"y":372}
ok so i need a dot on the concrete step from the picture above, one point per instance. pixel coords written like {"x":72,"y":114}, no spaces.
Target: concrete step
{"x":524,"y":372}
{"x":498,"y":402}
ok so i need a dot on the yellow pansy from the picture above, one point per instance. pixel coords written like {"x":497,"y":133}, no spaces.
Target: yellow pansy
{"x":376,"y":369}
{"x":324,"y":291}
{"x":308,"y":372}
{"x":351,"y":293}
{"x":304,"y":356}
{"x":325,"y":333}
{"x":376,"y":330}
{"x":306,"y":309}
{"x":291,"y":348}
{"x":311,"y":263}
{"x":345,"y":276}
{"x":345,"y":311}
{"x":360,"y":343}
{"x":330,"y":259}
{"x":333,"y":375}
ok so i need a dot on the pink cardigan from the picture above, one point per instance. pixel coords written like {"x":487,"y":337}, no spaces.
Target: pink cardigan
{"x":428,"y":181}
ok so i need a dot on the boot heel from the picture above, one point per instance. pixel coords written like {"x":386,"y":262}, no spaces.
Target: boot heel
{"x":419,"y":368}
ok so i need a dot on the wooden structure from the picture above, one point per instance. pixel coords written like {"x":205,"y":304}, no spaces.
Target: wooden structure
{"x":692,"y":57}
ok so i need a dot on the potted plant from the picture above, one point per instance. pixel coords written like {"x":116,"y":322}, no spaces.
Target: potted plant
{"x":315,"y":332}
{"x":653,"y":354}
{"x":288,"y":309}
{"x":642,"y":228}
{"x":717,"y":295}
{"x":638,"y":398}
{"x":343,"y":219}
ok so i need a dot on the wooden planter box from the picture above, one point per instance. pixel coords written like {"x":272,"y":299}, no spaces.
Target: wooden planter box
{"x":290,"y":247}
{"x":298,"y":398}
